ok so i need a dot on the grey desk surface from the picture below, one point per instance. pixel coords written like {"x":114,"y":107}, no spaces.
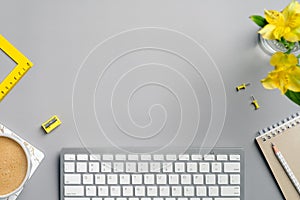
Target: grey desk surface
{"x":58,"y":35}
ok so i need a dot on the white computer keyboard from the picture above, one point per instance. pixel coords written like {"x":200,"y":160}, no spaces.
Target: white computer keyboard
{"x":189,"y":176}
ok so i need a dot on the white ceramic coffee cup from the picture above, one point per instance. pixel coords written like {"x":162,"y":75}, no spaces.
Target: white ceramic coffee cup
{"x":28,"y":164}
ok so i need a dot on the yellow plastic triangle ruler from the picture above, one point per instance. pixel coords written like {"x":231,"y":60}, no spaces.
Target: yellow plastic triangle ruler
{"x":23,"y":65}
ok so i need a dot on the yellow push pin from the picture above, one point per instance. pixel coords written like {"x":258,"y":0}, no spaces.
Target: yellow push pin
{"x":242,"y":86}
{"x":254,"y":103}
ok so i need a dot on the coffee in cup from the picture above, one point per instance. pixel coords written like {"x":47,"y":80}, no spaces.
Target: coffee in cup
{"x":14,"y":165}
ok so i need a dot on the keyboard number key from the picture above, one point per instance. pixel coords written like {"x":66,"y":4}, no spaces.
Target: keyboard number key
{"x":94,"y":167}
{"x":204,"y":167}
{"x":69,"y":167}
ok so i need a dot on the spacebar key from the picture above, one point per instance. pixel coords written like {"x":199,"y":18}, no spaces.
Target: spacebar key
{"x":74,"y":190}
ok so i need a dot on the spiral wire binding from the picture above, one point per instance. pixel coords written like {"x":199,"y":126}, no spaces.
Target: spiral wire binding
{"x":278,"y":128}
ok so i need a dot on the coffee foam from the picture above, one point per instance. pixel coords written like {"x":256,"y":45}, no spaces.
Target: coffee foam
{"x":13,"y":165}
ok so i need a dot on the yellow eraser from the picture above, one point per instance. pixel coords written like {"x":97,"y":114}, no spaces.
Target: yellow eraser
{"x":51,"y":124}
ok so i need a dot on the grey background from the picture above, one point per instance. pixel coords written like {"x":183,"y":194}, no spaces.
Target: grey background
{"x":57,"y":35}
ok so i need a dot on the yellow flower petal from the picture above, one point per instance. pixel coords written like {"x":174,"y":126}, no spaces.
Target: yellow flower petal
{"x":293,"y":77}
{"x":281,"y":60}
{"x":274,"y":17}
{"x":267,"y":32}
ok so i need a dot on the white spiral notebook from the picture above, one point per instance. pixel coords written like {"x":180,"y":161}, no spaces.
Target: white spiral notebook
{"x":286,"y":136}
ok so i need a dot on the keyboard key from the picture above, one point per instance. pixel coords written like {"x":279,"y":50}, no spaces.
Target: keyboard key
{"x":120,"y":157}
{"x":145,"y":157}
{"x":74,"y":190}
{"x":204,"y":167}
{"x":130,"y":167}
{"x":125,"y":179}
{"x":139,"y":191}
{"x":176,"y":191}
{"x":94,"y":167}
{"x":87,"y":179}
{"x":158,"y":157}
{"x":127,"y":191}
{"x":112,"y":179}
{"x":164,"y":191}
{"x":90,"y":190}
{"x":69,"y":167}
{"x":133,"y":157}
{"x":100,"y":179}
{"x":184,"y":157}
{"x":213,"y":191}
{"x":167,"y":167}
{"x":210,"y":179}
{"x":95,"y":157}
{"x":234,"y":179}
{"x":235,"y":157}
{"x":222,"y":179}
{"x":186,"y":179}
{"x":173,"y":179}
{"x":143,"y":167}
{"x":137,"y":179}
{"x":196,"y":157}
{"x":83,"y":157}
{"x":107,"y":157}
{"x":161,"y":179}
{"x":198,"y":179}
{"x":216,"y":167}
{"x":155,"y":167}
{"x":72,"y":178}
{"x":69,"y":157}
{"x":230,"y":190}
{"x":171,"y":157}
{"x":201,"y":191}
{"x":189,"y":191}
{"x":102,"y":191}
{"x":232,"y":167}
{"x":118,"y":167}
{"x":192,"y":167}
{"x":148,"y":179}
{"x":179,"y":167}
{"x":209,"y":157}
{"x":152,"y":191}
{"x":106,"y":167}
{"x":81,"y":167}
{"x":115,"y":191}
{"x":222,"y":157}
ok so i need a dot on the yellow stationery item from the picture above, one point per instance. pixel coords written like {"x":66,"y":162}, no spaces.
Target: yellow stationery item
{"x":23,"y":65}
{"x":51,"y":124}
{"x":242,"y":86}
{"x":286,"y":136}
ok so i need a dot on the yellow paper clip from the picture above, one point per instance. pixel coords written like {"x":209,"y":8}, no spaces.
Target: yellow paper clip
{"x":51,"y":124}
{"x":254,"y":103}
{"x":242,"y":86}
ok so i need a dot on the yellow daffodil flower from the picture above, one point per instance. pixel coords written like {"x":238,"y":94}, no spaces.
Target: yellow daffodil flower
{"x":284,"y":24}
{"x":286,"y":75}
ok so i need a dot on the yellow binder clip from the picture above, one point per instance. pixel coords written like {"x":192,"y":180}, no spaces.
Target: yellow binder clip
{"x":51,"y":124}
